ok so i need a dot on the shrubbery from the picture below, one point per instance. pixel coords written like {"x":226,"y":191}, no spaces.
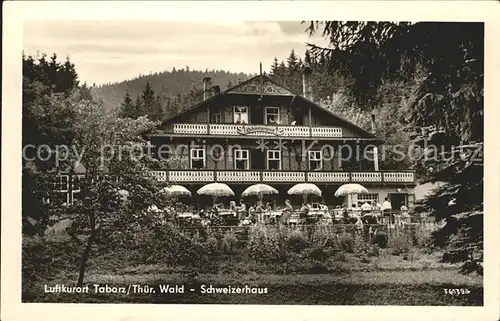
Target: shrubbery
{"x":346,"y":243}
{"x":263,"y":244}
{"x":297,"y":242}
{"x":268,"y":250}
{"x":41,"y":255}
{"x":400,"y":243}
{"x":165,"y":244}
{"x":229,"y":243}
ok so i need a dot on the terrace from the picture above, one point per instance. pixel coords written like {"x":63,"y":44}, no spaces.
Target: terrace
{"x":251,"y":176}
{"x":256,"y":130}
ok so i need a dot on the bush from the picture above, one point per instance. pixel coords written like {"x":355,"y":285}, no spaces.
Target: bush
{"x":365,"y":259}
{"x":318,"y":254}
{"x":421,"y":237}
{"x":339,"y":257}
{"x":165,"y":244}
{"x":212,"y":246}
{"x":400,"y":243}
{"x":381,"y":239}
{"x":263,"y":244}
{"x":323,"y":236}
{"x":297,"y":242}
{"x":229,"y":243}
{"x":318,"y":268}
{"x":42,"y":257}
{"x":346,"y":243}
{"x":374,"y":250}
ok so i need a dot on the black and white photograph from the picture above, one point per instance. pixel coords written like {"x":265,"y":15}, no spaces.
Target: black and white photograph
{"x":255,"y":162}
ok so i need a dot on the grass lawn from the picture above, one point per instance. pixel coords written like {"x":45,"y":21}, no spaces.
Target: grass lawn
{"x":386,"y":280}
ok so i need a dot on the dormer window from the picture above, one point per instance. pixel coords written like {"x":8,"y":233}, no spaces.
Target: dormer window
{"x":240,"y":114}
{"x":272,"y":115}
{"x":216,"y":116}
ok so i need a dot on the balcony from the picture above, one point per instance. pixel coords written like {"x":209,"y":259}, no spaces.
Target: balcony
{"x":250,"y":176}
{"x":256,"y":130}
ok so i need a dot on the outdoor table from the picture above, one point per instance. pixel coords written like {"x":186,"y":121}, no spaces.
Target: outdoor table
{"x":317,"y":212}
{"x":266,"y":215}
{"x":338,"y":213}
{"x":294,"y":219}
{"x":273,"y":213}
{"x":185,"y":215}
{"x":226,"y":212}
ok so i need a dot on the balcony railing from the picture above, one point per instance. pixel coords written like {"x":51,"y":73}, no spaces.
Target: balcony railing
{"x":206,"y":176}
{"x":256,"y":130}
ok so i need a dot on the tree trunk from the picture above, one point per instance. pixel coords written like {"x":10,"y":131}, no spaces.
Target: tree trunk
{"x":86,"y":252}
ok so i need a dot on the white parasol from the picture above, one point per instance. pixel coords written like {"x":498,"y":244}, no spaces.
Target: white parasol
{"x":259,"y":190}
{"x":305,"y":189}
{"x":350,"y":189}
{"x":216,"y":190}
{"x":176,"y":191}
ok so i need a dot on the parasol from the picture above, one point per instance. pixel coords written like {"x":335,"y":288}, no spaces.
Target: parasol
{"x":259,"y":190}
{"x":305,"y":189}
{"x":349,"y":189}
{"x":176,"y":191}
{"x":216,"y":190}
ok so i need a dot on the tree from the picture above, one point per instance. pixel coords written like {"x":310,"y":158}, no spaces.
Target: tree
{"x":128,"y":109}
{"x":308,"y":58}
{"x":148,"y":99}
{"x":445,"y":60}
{"x":274,"y":67}
{"x":68,"y":78}
{"x":85,"y":93}
{"x":138,"y":106}
{"x":158,"y":109}
{"x":48,"y":117}
{"x":292,"y":62}
{"x":116,"y":172}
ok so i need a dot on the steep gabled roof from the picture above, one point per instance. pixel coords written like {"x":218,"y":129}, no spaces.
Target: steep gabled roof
{"x":258,"y":83}
{"x":168,"y":118}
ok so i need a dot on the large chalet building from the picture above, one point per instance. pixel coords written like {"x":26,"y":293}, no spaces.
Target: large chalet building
{"x":261,"y":132}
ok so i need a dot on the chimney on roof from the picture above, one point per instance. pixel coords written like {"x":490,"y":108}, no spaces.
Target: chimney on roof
{"x":207,"y":81}
{"x":306,"y":72}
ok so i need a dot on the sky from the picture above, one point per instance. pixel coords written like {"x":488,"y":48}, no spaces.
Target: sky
{"x":113,"y":51}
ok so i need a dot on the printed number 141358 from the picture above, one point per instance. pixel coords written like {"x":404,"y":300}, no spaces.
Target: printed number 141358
{"x":456,"y":291}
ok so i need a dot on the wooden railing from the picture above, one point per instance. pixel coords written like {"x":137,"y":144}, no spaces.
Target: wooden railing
{"x":257,"y":130}
{"x":241,"y":176}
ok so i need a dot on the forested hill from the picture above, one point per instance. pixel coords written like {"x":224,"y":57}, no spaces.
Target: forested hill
{"x":173,"y":84}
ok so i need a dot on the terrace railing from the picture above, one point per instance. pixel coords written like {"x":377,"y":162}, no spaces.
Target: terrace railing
{"x":256,"y":130}
{"x":242,"y":176}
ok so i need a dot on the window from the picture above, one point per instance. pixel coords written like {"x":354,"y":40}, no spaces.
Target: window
{"x":240,"y":115}
{"x":216,"y":117}
{"x":272,"y":115}
{"x":241,"y":159}
{"x":197,"y":158}
{"x":77,"y":182}
{"x":362,"y":198}
{"x":315,"y":160}
{"x":274,"y":159}
{"x":60,"y":183}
